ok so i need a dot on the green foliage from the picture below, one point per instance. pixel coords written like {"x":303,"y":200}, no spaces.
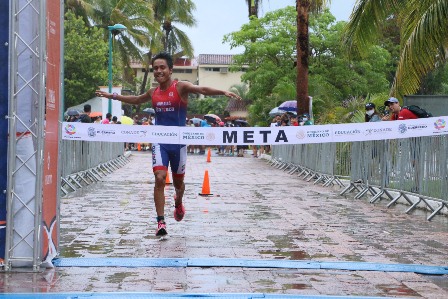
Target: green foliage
{"x":423,"y":27}
{"x":85,"y":60}
{"x":208,"y":105}
{"x":436,"y":82}
{"x":270,"y":44}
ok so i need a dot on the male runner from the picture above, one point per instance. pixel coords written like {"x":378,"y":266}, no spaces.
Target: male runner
{"x":169,"y":100}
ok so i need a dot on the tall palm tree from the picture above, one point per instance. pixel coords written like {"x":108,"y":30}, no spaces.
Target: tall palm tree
{"x":423,"y":40}
{"x":252,"y":6}
{"x":172,"y":12}
{"x":169,"y":13}
{"x":136,"y":15}
{"x":304,"y":7}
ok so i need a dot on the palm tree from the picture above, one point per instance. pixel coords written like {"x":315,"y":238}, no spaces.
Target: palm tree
{"x":136,"y":15}
{"x":253,"y":5}
{"x":80,"y":8}
{"x":304,"y":7}
{"x":168,"y":13}
{"x":242,"y":90}
{"x":423,"y":40}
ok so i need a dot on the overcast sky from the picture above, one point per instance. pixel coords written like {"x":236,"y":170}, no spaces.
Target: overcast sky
{"x":215,"y":18}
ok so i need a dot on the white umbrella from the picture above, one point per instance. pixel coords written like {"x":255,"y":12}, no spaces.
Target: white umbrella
{"x":276,"y":111}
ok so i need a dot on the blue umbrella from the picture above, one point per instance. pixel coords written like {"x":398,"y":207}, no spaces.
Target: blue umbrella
{"x":288,"y":106}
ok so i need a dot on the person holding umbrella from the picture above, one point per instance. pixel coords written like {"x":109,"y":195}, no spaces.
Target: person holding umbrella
{"x":169,"y":100}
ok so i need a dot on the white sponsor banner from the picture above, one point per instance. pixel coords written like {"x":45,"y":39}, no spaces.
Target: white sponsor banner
{"x":256,"y":135}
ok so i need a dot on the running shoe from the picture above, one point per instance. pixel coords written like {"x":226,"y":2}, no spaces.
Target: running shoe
{"x":161,"y":229}
{"x":179,"y":212}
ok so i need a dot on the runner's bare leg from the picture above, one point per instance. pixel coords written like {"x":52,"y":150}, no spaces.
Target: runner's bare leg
{"x":179,"y":185}
{"x":159,"y":191}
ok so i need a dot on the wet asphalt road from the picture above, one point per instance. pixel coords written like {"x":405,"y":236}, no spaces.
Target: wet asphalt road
{"x":256,"y":212}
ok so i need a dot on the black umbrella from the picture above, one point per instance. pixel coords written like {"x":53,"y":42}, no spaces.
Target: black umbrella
{"x":149,"y":110}
{"x":72,"y":112}
{"x":242,"y":123}
{"x":212,"y":117}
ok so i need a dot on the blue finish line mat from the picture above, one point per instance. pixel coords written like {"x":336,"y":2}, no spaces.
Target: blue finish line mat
{"x":139,"y":295}
{"x":247,"y":263}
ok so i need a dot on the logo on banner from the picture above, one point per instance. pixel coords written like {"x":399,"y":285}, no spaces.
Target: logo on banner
{"x":70,"y":129}
{"x":440,"y":124}
{"x":318,"y":134}
{"x":347,"y":132}
{"x":193,"y":136}
{"x":300,"y":134}
{"x":402,"y":128}
{"x":378,"y":131}
{"x":141,"y":133}
{"x":91,"y":132}
{"x":105,"y":132}
{"x":210,"y":136}
{"x":164,"y":134}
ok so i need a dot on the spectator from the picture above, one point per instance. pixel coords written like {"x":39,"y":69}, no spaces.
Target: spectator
{"x":114,"y":120}
{"x":398,"y":113}
{"x":294,"y":121}
{"x":108,"y":119}
{"x":85,"y":117}
{"x":306,"y":120}
{"x":371,"y":113}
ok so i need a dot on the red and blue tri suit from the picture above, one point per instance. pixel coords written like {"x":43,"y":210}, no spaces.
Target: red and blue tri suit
{"x":170,"y":110}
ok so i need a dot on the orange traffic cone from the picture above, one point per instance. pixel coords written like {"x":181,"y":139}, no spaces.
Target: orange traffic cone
{"x":209,"y":155}
{"x":206,"y":186}
{"x":139,"y":147}
{"x":167,"y":181}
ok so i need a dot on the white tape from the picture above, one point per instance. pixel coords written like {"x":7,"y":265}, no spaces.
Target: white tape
{"x":256,"y":135}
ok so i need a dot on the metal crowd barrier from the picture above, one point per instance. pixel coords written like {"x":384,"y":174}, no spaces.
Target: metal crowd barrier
{"x":83,"y":163}
{"x":413,"y":170}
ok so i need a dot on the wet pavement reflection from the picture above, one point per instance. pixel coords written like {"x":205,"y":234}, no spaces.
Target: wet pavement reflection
{"x":256,"y":212}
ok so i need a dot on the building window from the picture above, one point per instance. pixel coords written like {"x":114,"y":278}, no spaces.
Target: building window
{"x":183,"y":71}
{"x":212,"y":69}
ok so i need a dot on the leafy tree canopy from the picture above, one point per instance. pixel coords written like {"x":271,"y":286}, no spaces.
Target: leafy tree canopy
{"x":85,"y":60}
{"x":270,"y":44}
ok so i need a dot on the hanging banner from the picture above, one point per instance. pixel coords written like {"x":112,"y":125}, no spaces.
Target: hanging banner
{"x":50,"y":182}
{"x":256,"y":135}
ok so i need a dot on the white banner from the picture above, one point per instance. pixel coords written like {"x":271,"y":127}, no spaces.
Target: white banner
{"x":256,"y":135}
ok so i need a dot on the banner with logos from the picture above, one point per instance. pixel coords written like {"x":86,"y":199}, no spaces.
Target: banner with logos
{"x":256,"y":135}
{"x":50,"y":181}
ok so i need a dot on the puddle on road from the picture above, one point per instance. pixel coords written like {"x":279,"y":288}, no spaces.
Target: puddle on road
{"x":79,"y":251}
{"x":119,"y":277}
{"x":297,"y":286}
{"x":262,"y":213}
{"x":284,"y":248}
{"x":398,"y":290}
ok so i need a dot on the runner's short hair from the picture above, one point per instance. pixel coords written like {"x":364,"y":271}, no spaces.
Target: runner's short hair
{"x":163,"y":55}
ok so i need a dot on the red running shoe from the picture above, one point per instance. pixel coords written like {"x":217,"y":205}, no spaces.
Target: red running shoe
{"x":161,"y":229}
{"x":179,"y":212}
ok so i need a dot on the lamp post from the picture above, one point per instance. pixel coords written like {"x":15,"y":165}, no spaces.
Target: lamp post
{"x":119,"y":28}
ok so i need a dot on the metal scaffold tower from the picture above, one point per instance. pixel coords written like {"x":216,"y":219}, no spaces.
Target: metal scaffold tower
{"x":27,"y":48}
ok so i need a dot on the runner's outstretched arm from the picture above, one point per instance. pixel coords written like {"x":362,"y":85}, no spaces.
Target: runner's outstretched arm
{"x":187,"y":87}
{"x":133,"y":100}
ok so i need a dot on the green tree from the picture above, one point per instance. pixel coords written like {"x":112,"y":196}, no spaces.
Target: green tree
{"x":208,"y":105}
{"x":423,"y":36}
{"x":333,"y":77}
{"x":84,"y":60}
